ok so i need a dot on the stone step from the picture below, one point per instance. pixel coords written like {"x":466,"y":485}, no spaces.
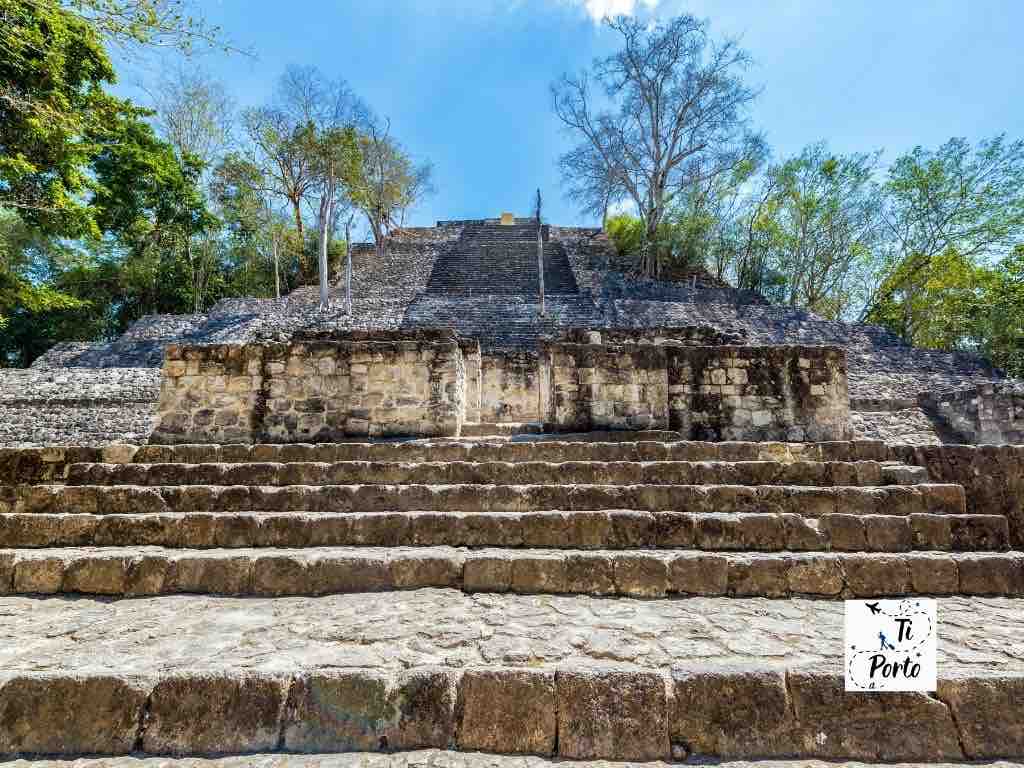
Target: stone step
{"x":802,"y":500}
{"x":558,"y":530}
{"x":858,"y":473}
{"x":440,"y":758}
{"x":572,"y":677}
{"x":132,"y":571}
{"x":38,"y":465}
{"x":591,"y":447}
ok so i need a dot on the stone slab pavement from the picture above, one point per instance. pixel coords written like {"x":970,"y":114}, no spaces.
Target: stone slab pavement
{"x":445,"y":627}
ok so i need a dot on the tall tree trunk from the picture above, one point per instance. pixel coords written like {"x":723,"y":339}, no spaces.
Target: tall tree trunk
{"x":326,"y":210}
{"x":277,"y":271}
{"x":649,"y":248}
{"x":348,"y":266}
{"x":540,"y":266}
{"x":297,"y":209}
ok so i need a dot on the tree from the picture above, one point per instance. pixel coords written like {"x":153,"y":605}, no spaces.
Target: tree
{"x":338,"y":167}
{"x":154,"y":204}
{"x":960,"y":304}
{"x":677,"y":118}
{"x":133,"y":24}
{"x":390,"y":183}
{"x":968,"y":199}
{"x":195,"y":115}
{"x":287,"y":135}
{"x":826,"y":225}
{"x":54,"y":114}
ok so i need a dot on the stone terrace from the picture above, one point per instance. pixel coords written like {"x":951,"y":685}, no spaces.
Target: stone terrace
{"x":581,"y":599}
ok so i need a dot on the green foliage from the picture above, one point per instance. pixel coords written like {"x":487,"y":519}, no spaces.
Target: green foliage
{"x":626,"y":233}
{"x":53,"y":114}
{"x":952,"y":302}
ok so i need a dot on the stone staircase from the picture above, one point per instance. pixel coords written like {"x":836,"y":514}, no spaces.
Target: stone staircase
{"x":497,"y":259}
{"x":576,"y":599}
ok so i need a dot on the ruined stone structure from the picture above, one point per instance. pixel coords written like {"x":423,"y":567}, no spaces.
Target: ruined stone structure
{"x":317,"y":388}
{"x":724,"y":392}
{"x":480,"y":278}
{"x":295,"y":596}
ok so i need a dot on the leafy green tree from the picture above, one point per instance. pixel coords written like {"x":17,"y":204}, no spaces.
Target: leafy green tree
{"x":153,"y":202}
{"x":54,"y":114}
{"x":825,"y":228}
{"x":969,"y":199}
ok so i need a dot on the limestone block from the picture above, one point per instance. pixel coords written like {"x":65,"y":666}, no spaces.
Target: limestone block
{"x":835,"y":724}
{"x":370,"y":711}
{"x":65,"y":715}
{"x":507,"y":711}
{"x":216,"y":714}
{"x":612,"y":715}
{"x":987,"y":714}
{"x":732,"y":712}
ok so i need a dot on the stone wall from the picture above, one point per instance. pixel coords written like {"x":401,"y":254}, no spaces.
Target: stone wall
{"x":509,"y":387}
{"x":316,"y":388}
{"x":707,"y":393}
{"x":793,"y":393}
{"x":992,"y":476}
{"x":598,"y":387}
{"x":988,"y":413}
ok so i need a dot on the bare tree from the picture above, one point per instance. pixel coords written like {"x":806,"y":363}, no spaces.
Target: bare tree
{"x":292,"y":137}
{"x":390,"y":182}
{"x":677,"y":116}
{"x":195,"y":115}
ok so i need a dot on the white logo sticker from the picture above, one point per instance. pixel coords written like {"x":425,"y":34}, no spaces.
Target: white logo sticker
{"x":891,"y":645}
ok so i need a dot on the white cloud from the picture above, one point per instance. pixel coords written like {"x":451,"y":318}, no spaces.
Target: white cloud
{"x":598,"y":9}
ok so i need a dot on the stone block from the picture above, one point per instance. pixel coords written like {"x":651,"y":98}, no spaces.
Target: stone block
{"x":732,"y":713}
{"x":699,"y":574}
{"x":612,"y":716}
{"x":487,"y":573}
{"x":38,"y":575}
{"x":987,"y":712}
{"x":65,"y":715}
{"x":834,"y":724}
{"x":368,"y":711}
{"x":507,"y":711}
{"x":214,"y":714}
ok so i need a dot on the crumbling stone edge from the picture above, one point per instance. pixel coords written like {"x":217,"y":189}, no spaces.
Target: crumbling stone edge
{"x":573,"y":713}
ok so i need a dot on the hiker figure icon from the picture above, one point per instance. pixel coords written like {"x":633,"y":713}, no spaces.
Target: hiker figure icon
{"x":885,"y":644}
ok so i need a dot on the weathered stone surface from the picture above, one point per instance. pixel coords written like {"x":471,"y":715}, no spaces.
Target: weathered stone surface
{"x":213,"y":713}
{"x":731,"y":712}
{"x":618,"y":715}
{"x":511,"y":711}
{"x":67,"y":714}
{"x":989,"y":714}
{"x":866,"y":726}
{"x":370,"y":711}
{"x":436,"y":759}
{"x":631,"y":573}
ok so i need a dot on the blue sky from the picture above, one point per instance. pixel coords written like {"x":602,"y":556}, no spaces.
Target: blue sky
{"x":465,"y":82}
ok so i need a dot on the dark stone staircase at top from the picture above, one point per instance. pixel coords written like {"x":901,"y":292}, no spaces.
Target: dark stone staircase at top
{"x":495,"y":258}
